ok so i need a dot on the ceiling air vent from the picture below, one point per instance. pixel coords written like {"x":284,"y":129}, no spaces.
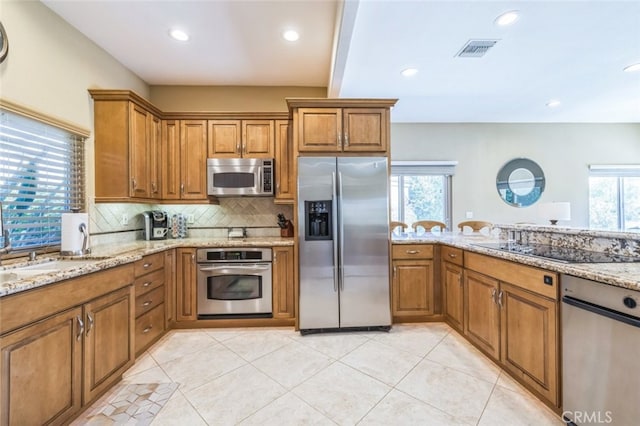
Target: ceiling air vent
{"x":476,"y":48}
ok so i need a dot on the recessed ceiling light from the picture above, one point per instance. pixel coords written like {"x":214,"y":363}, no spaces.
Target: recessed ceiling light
{"x":507,"y":18}
{"x":409,"y":72}
{"x":632,"y":68}
{"x":553,"y":103}
{"x":179,"y":35}
{"x":291,"y":35}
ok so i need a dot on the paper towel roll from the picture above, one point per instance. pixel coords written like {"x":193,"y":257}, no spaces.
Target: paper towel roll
{"x":72,"y":238}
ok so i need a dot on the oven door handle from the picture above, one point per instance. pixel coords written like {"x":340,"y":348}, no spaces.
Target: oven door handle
{"x":250,"y":268}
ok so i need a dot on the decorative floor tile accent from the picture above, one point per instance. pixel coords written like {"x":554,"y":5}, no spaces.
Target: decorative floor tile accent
{"x":135,"y":404}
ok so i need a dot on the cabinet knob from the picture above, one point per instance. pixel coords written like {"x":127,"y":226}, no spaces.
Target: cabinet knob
{"x":147,"y":284}
{"x":147,"y":303}
{"x":146,"y":330}
{"x":453,"y":255}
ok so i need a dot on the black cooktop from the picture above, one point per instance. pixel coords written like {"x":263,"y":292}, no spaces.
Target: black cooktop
{"x":561,"y":254}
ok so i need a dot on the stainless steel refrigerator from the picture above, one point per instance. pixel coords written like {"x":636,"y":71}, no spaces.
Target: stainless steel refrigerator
{"x":343,"y":216}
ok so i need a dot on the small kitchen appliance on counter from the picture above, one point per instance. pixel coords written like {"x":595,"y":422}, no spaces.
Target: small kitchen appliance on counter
{"x":156,"y":225}
{"x":74,"y":238}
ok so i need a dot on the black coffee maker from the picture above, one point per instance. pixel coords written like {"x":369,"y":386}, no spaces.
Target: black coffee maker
{"x":156,"y":225}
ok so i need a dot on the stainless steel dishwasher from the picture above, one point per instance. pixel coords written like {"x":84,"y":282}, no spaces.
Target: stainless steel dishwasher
{"x":601,"y":353}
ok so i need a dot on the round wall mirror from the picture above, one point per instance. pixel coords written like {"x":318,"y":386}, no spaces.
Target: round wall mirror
{"x":520,"y":182}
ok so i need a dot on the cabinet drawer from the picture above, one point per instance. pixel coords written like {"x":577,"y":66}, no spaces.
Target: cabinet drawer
{"x":149,"y":300}
{"x":148,"y":282}
{"x":149,"y":326}
{"x":148,"y":264}
{"x":452,"y":254}
{"x":412,"y":251}
{"x":537,"y":280}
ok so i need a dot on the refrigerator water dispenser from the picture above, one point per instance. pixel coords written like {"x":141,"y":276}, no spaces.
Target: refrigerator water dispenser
{"x":318,"y":220}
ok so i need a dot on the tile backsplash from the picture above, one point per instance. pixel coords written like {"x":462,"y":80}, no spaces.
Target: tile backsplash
{"x":251,"y":212}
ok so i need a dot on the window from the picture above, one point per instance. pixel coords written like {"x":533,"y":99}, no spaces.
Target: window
{"x":421,"y":190}
{"x":42,"y":176}
{"x":614,"y":197}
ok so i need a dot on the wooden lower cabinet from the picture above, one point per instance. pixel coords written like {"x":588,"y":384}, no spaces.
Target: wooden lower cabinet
{"x":108,"y":341}
{"x":412,"y":286}
{"x":529,"y":344}
{"x":186,"y":276}
{"x":453,"y":294}
{"x":516,"y":321}
{"x":284,"y":301}
{"x":481,"y":313}
{"x":42,"y":371}
{"x":170,"y":287}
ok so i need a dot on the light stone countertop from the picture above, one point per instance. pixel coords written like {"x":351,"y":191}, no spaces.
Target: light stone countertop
{"x":626,"y":275}
{"x":111,"y":255}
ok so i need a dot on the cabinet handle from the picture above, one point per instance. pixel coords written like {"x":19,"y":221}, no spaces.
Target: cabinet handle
{"x":244,"y":147}
{"x":80,"y":328}
{"x":238,"y":148}
{"x":147,"y":303}
{"x":453,"y":255}
{"x":182,"y":188}
{"x":275,"y":257}
{"x":500,"y":298}
{"x":89,"y":323}
{"x":134,"y":184}
{"x":147,"y":284}
{"x":339,"y":139}
{"x":413,"y":251}
{"x":346,"y":139}
{"x":146,"y":330}
{"x":394,"y":271}
{"x":493,"y":295}
{"x":193,"y":258}
{"x":154,"y":187}
{"x":147,"y":265}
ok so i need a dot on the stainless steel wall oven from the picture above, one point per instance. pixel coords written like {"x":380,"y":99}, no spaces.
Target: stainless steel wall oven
{"x":234,"y":282}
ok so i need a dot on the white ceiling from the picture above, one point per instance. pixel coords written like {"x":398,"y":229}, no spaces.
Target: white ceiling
{"x":572,"y":51}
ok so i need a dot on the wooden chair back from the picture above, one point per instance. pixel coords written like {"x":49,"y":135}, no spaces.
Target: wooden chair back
{"x":476,"y":225}
{"x":428,"y":224}
{"x":394,"y":224}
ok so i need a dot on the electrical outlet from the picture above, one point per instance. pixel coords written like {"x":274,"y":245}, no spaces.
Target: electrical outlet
{"x":124,"y":220}
{"x":469,"y":215}
{"x":191,"y":219}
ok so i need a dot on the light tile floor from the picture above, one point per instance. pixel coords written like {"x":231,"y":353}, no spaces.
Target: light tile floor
{"x":423,"y":374}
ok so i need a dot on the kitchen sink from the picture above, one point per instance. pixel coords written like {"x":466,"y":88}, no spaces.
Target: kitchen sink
{"x":50,"y":267}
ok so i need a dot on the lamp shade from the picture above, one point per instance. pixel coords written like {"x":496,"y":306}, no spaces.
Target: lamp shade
{"x":555,"y":211}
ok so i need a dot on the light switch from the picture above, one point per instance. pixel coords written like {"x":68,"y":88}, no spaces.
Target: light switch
{"x":469,"y":215}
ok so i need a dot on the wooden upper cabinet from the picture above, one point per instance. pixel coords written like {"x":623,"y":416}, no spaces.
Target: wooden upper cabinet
{"x":285,"y":182}
{"x":170,"y":159}
{"x":341,"y":125}
{"x":127,"y":149}
{"x":193,"y":159}
{"x":365,"y":129}
{"x":241,"y":138}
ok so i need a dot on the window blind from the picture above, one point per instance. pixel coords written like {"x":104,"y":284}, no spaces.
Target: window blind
{"x":614,"y":170}
{"x":413,"y":168}
{"x":42,"y":176}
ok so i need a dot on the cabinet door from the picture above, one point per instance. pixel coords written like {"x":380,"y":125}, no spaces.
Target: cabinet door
{"x":139,"y":152}
{"x":453,"y":295}
{"x":154,"y":155}
{"x":412,"y":287}
{"x":193,"y":159}
{"x":41,"y":371}
{"x":283,"y":284}
{"x":319,"y":129}
{"x":108,"y":344}
{"x":529,"y":330}
{"x":365,"y":129}
{"x":186,"y":284}
{"x":481,"y":312}
{"x":284,"y":163}
{"x":170,"y":160}
{"x":257,"y":138}
{"x":170,"y":287}
{"x":224,"y":139}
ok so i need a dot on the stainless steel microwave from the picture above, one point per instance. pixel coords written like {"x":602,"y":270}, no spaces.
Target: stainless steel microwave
{"x":235,"y":177}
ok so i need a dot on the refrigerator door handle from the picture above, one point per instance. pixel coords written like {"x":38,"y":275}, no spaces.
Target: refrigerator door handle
{"x":341,"y":232}
{"x":334,"y":230}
